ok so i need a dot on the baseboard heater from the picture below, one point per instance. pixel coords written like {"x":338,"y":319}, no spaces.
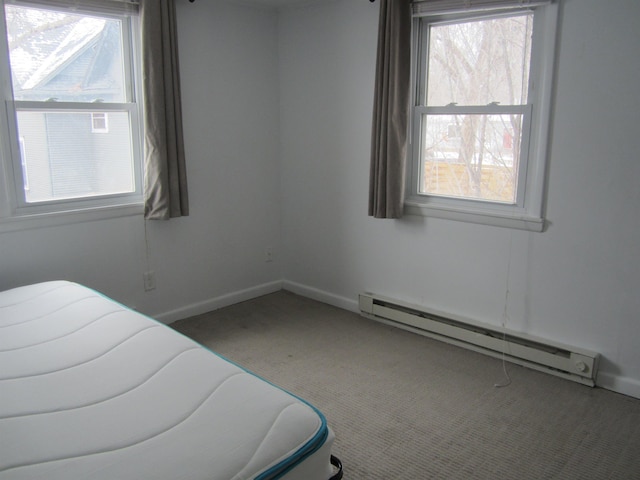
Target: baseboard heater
{"x":561,"y":360}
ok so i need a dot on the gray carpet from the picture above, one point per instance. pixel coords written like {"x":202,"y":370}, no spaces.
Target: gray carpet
{"x":407,"y":407}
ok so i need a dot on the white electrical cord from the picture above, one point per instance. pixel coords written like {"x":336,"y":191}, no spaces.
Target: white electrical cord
{"x":505,"y":317}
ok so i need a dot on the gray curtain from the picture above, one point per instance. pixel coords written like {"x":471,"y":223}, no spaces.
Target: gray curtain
{"x":165,"y":179}
{"x":390,"y":110}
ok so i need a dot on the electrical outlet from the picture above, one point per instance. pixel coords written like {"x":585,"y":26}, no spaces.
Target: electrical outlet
{"x":268,"y":254}
{"x":149,"y":280}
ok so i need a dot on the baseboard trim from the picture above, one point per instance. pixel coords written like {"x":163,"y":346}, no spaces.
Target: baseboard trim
{"x":218,"y":302}
{"x":321,"y":296}
{"x":624,"y":385}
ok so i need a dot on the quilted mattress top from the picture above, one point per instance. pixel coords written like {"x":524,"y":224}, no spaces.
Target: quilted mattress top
{"x":91,"y":389}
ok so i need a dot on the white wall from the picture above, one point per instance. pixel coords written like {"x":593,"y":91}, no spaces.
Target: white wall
{"x":277,"y":115}
{"x":216,"y":255}
{"x":575,"y":283}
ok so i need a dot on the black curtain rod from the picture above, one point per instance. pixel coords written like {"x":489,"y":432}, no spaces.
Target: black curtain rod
{"x":195,"y":0}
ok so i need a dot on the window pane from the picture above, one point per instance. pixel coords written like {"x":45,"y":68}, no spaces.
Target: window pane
{"x":471,"y":156}
{"x":479,"y":62}
{"x":64,"y":57}
{"x":63,"y":159}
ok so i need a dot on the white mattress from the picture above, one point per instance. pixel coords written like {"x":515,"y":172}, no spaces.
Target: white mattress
{"x":92,"y":390}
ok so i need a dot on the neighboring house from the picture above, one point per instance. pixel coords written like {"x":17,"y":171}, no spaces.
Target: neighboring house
{"x":71,"y":61}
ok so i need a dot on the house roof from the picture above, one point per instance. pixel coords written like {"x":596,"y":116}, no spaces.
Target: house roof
{"x":61,"y":56}
{"x":53,"y":56}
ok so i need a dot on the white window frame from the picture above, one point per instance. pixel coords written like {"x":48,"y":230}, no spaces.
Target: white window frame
{"x":528,"y":211}
{"x":24,"y":163}
{"x":15,"y":212}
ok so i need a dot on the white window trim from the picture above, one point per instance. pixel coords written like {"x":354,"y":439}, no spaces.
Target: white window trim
{"x":24,"y":162}
{"x":528,"y":212}
{"x":15,"y":214}
{"x":67,"y":217}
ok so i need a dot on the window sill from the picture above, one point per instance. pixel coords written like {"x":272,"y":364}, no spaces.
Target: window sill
{"x":479,"y":216}
{"x":53,"y":219}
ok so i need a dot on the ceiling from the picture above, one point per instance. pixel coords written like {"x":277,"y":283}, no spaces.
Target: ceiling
{"x":278,"y":3}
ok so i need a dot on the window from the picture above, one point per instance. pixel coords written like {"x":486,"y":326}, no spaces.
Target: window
{"x":100,"y":122}
{"x":71,"y":75}
{"x":480,"y":116}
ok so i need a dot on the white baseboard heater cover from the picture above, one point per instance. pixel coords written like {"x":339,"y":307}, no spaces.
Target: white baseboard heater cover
{"x":561,"y":360}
